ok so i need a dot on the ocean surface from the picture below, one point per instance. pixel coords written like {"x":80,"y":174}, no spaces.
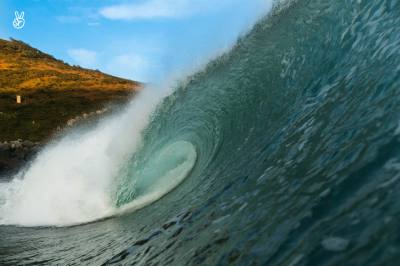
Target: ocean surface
{"x":283,"y":151}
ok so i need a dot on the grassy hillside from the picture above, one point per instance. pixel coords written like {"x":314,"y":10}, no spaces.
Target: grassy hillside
{"x":52,"y":92}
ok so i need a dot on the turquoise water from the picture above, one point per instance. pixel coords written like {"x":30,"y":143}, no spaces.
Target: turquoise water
{"x":286,"y":151}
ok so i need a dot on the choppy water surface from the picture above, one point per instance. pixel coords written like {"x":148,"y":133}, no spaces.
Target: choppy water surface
{"x":286,"y":151}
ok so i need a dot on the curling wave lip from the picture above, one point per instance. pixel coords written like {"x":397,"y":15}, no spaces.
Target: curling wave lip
{"x":161,"y":174}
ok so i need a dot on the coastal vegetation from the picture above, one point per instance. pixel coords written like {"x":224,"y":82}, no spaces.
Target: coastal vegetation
{"x":52,"y":92}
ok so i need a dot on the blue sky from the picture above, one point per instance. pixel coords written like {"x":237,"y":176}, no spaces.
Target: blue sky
{"x":143,"y":40}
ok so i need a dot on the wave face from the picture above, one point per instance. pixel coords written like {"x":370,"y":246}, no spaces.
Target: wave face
{"x":286,"y":149}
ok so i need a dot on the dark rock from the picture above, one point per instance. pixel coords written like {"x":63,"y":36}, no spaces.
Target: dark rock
{"x":15,"y":154}
{"x":4,"y":147}
{"x":27,"y":144}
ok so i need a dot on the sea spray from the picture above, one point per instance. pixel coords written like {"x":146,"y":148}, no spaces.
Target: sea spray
{"x":71,"y":180}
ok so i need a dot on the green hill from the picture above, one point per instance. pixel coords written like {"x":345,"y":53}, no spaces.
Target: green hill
{"x":52,"y":92}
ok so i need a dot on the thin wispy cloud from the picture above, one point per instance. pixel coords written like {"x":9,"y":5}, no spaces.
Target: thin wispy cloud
{"x":147,"y":10}
{"x":130,"y":65}
{"x":164,"y":9}
{"x":76,"y":14}
{"x":84,"y":57}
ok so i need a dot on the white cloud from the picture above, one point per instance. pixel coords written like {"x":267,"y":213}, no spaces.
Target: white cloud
{"x":84,"y":57}
{"x":130,"y":66}
{"x":147,"y":10}
{"x":151,"y":9}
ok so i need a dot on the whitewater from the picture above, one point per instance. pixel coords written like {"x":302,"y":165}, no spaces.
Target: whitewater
{"x":71,"y":180}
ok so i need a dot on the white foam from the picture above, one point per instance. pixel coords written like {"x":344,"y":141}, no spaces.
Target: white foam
{"x":70,"y":181}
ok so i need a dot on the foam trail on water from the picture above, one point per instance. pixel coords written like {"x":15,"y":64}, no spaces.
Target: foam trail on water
{"x":70,"y":181}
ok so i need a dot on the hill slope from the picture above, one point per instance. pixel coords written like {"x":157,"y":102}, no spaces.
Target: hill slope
{"x":52,"y":92}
